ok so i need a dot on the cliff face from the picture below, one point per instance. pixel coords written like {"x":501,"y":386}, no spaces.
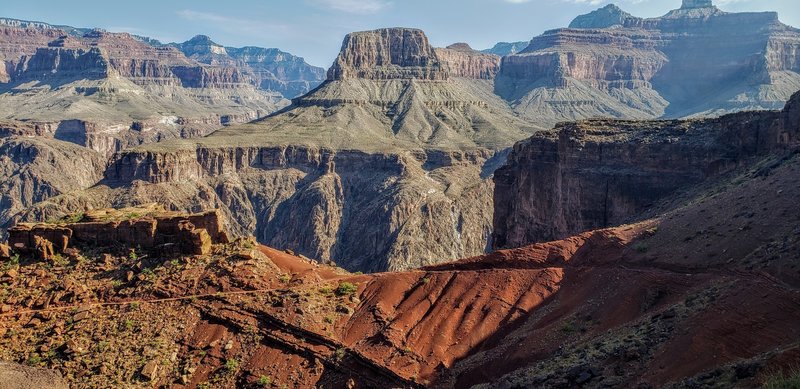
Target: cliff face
{"x":392,"y":53}
{"x":593,"y":174}
{"x":460,"y":60}
{"x":694,"y":60}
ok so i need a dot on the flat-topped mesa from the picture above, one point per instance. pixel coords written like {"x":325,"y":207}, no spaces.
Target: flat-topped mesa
{"x":460,"y":60}
{"x":385,"y":54}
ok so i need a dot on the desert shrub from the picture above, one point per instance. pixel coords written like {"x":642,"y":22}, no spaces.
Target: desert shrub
{"x":346,"y":288}
{"x":264,"y":381}
{"x":231,"y":364}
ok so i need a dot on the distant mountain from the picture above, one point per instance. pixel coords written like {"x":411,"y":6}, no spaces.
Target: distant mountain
{"x":270,"y":69}
{"x":506,"y":48}
{"x":605,"y":17}
{"x":695,"y":60}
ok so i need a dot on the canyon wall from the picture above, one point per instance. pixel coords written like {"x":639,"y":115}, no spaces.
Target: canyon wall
{"x":598,"y":173}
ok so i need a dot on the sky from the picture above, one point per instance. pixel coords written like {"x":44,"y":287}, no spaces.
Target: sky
{"x":314,"y":29}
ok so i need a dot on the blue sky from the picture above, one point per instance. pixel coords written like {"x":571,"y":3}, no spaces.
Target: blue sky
{"x":314,"y":28}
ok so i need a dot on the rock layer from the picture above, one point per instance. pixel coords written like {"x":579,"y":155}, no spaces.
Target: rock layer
{"x":596,"y":173}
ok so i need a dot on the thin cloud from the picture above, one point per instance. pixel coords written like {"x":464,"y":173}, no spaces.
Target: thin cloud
{"x":354,"y":6}
{"x":235,"y":25}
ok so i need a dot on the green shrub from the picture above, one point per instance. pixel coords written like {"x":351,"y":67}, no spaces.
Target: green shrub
{"x":264,"y":381}
{"x":346,"y":289}
{"x":231,"y":364}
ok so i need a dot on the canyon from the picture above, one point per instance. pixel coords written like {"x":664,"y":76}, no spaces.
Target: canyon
{"x":122,"y":90}
{"x":388,"y":163}
{"x":611,"y":205}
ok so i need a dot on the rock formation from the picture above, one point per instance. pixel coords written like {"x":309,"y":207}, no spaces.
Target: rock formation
{"x":385,"y":166}
{"x":597,"y":173}
{"x":605,"y":17}
{"x":113,"y":82}
{"x":145,"y":228}
{"x":697,"y":60}
{"x":391,"y":53}
{"x":460,"y":60}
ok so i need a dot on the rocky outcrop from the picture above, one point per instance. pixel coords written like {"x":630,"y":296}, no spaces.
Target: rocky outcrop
{"x":391,"y":53}
{"x":592,"y":174}
{"x":696,"y":60}
{"x":146,"y":228}
{"x":460,"y":60}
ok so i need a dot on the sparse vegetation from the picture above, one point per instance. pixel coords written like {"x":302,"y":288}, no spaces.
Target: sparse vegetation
{"x":285,"y":278}
{"x":231,"y":364}
{"x":132,"y":255}
{"x":346,"y":289}
{"x":34,"y":360}
{"x":781,"y":380}
{"x":11,"y":263}
{"x":339,"y":354}
{"x":264,"y":381}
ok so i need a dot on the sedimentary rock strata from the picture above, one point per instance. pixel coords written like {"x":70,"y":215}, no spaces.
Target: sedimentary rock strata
{"x":597,"y":173}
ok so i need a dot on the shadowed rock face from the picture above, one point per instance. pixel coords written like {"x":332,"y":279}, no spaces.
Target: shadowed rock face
{"x":596,"y":173}
{"x":696,"y":60}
